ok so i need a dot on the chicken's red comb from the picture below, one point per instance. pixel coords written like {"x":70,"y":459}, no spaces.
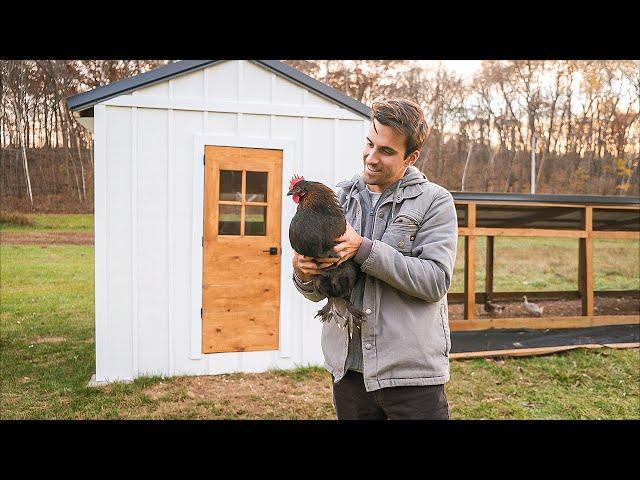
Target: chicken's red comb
{"x":296,"y":178}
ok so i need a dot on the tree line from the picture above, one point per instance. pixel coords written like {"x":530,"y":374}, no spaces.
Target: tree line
{"x":580,"y":118}
{"x":46,"y":157}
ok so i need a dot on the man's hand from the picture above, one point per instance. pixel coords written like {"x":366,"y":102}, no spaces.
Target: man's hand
{"x":348,"y":244}
{"x":306,"y":267}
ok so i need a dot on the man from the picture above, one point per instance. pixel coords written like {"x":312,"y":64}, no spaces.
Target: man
{"x":402,"y":231}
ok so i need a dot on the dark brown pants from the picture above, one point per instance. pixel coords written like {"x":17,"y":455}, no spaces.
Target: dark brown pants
{"x":353,"y":402}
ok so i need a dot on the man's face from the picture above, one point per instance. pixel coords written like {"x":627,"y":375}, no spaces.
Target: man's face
{"x":384,"y":157}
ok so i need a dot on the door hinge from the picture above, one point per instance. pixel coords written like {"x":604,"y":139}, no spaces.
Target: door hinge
{"x":200,"y":313}
{"x":204,"y":159}
{"x":203,"y":241}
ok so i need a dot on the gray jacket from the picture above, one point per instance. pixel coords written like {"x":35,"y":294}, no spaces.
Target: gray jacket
{"x":408,"y":265}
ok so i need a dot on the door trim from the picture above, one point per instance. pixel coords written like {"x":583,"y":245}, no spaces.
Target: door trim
{"x":288,"y":147}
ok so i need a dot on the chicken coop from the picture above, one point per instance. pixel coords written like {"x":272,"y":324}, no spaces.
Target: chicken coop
{"x":585,"y":219}
{"x":192,"y":258}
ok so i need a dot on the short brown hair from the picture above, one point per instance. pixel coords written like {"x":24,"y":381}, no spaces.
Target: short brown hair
{"x":405,"y":117}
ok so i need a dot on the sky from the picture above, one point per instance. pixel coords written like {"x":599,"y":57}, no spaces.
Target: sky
{"x":463,"y":67}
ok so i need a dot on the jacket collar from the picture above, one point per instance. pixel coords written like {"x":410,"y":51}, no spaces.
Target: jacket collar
{"x":409,"y":186}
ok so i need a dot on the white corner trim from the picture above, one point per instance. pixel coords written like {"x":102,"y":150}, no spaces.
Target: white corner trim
{"x":170,"y":237}
{"x":134,"y":241}
{"x":100,"y":239}
{"x":196,"y":251}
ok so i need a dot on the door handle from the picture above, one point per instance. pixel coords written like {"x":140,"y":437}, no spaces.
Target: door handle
{"x":272,"y":251}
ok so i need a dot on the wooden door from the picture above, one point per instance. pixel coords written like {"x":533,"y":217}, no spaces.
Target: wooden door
{"x":241,"y":270}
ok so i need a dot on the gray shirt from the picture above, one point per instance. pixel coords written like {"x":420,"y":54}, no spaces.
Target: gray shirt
{"x":354,"y":355}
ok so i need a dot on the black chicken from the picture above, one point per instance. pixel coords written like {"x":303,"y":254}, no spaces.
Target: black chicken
{"x":318,"y":221}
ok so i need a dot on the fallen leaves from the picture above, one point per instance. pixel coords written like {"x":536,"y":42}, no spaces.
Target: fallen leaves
{"x":494,"y":399}
{"x":50,"y":339}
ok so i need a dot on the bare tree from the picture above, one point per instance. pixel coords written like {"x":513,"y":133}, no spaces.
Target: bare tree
{"x":584,"y":114}
{"x":466,"y":167}
{"x":14,"y":82}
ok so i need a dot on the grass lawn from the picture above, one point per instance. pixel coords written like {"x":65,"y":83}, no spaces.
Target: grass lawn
{"x":545,"y":263}
{"x":47,"y":355}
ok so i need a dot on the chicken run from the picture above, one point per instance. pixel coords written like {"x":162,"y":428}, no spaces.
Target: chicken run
{"x":504,"y":323}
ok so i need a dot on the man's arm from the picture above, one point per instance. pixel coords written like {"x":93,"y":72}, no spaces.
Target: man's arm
{"x":303,"y":269}
{"x":307,"y":289}
{"x":427,"y":274}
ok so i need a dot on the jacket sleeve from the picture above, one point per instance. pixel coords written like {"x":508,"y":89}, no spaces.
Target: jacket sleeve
{"x":308,"y":290}
{"x":427,"y":273}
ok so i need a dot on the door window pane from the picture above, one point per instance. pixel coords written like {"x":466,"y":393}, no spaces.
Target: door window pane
{"x":231,"y":185}
{"x":255,"y":221}
{"x":229,"y":220}
{"x":256,"y":186}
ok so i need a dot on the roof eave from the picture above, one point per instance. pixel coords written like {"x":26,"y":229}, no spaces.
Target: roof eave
{"x":319,"y":87}
{"x":85,"y":100}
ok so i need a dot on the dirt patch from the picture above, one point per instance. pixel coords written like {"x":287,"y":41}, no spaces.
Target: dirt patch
{"x":247,"y":396}
{"x":46,"y":238}
{"x":555,"y":308}
{"x":50,"y":340}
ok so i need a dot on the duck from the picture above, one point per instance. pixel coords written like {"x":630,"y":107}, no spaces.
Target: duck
{"x":532,"y":308}
{"x":490,"y":307}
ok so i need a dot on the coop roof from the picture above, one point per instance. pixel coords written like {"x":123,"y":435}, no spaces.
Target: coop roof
{"x":497,"y":210}
{"x":545,"y":198}
{"x":86,"y":100}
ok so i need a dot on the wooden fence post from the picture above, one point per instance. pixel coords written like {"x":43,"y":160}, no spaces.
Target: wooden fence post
{"x":488,"y":272}
{"x":585,"y":264}
{"x":470,"y":266}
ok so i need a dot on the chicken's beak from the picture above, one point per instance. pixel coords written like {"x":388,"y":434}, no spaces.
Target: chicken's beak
{"x":290,"y":192}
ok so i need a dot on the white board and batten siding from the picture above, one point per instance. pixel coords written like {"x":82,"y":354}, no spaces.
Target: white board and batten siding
{"x":148,"y":211}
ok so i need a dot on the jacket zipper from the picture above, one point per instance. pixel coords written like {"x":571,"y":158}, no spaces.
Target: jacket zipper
{"x":444,"y":330}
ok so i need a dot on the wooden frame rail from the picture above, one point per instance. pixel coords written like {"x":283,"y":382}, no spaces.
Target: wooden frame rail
{"x":526,"y":352}
{"x":585,"y":235}
{"x":481,"y":297}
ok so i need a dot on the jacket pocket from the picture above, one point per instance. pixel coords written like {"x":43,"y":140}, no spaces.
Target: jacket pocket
{"x":401,"y":233}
